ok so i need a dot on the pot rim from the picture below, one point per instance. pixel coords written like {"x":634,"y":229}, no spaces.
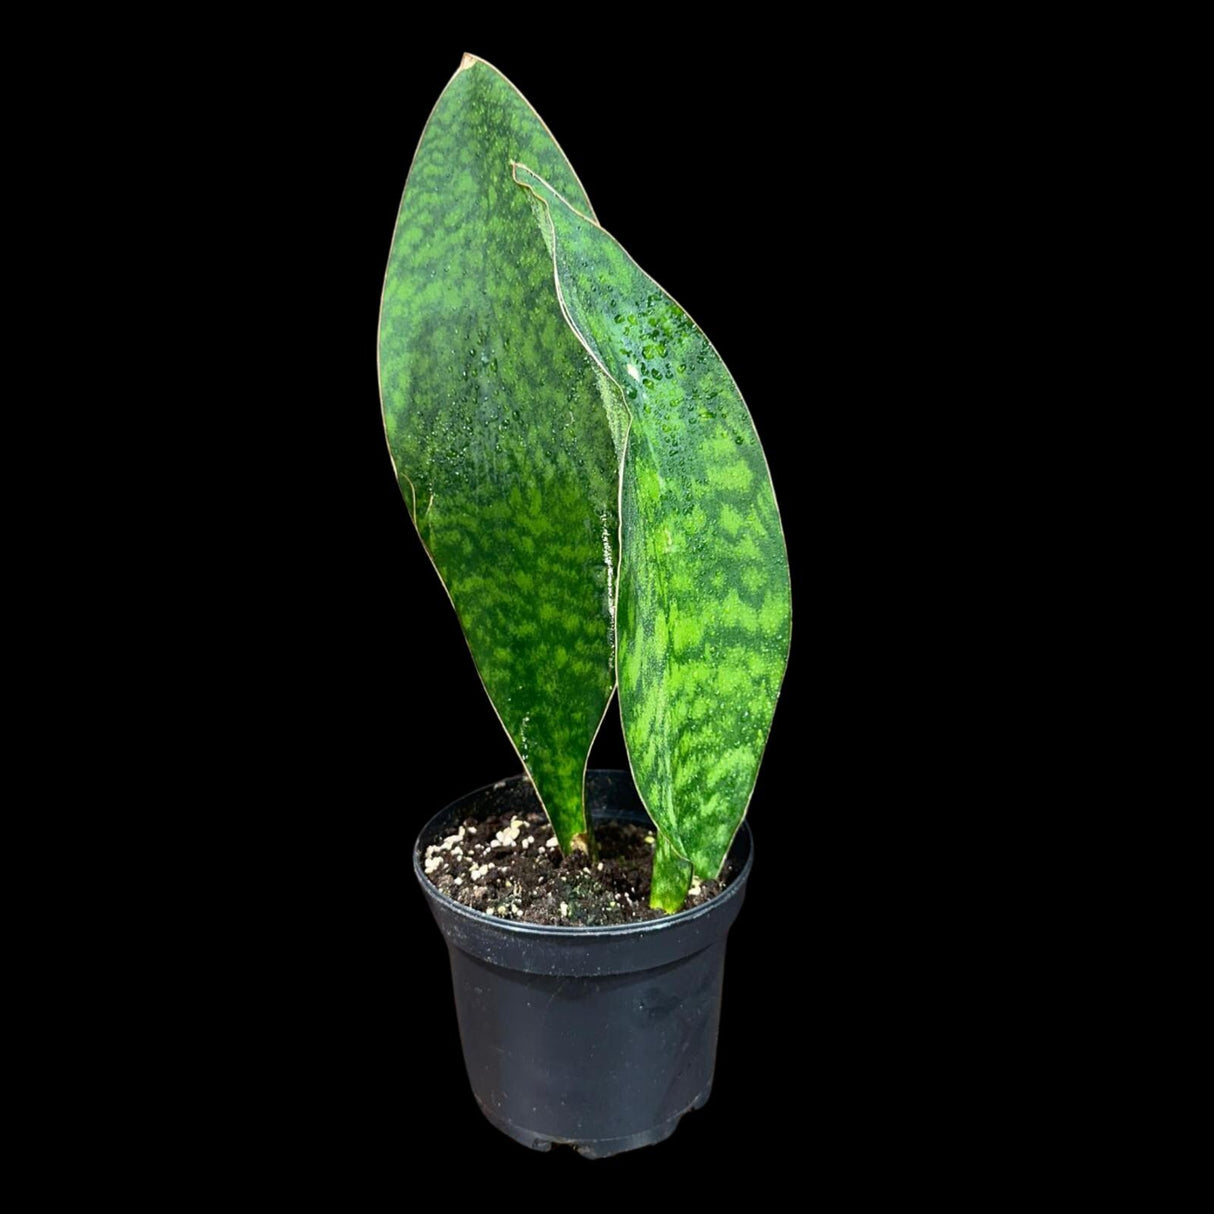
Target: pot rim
{"x":609,"y":931}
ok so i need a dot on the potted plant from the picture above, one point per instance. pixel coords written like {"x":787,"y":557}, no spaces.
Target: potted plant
{"x":588,"y":483}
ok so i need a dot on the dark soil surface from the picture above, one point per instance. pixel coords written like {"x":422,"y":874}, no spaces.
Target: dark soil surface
{"x":510,"y":866}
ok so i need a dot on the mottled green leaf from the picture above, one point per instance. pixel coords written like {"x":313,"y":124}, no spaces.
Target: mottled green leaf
{"x":704,"y":602}
{"x":671,"y":878}
{"x":496,"y":422}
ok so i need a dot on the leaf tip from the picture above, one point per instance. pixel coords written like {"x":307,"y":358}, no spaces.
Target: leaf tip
{"x":467,"y":61}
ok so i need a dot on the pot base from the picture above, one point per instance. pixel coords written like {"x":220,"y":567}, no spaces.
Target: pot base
{"x":595,"y":1148}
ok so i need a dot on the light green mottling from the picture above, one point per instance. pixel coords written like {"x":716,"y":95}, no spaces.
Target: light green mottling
{"x":496,"y":422}
{"x":704,"y":603}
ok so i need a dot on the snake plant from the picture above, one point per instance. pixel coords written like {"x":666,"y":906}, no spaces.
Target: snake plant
{"x":586,"y":478}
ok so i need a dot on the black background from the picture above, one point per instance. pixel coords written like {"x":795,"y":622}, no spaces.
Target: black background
{"x":777,"y":190}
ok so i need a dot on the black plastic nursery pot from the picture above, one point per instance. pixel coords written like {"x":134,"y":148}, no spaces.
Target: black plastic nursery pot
{"x":600,"y":1038}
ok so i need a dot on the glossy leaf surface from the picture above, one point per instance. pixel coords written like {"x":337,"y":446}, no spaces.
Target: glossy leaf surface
{"x":704,"y":607}
{"x":496,"y":422}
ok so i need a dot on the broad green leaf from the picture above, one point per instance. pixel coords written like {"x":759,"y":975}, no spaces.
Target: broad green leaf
{"x":704,"y":600}
{"x":495,"y":419}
